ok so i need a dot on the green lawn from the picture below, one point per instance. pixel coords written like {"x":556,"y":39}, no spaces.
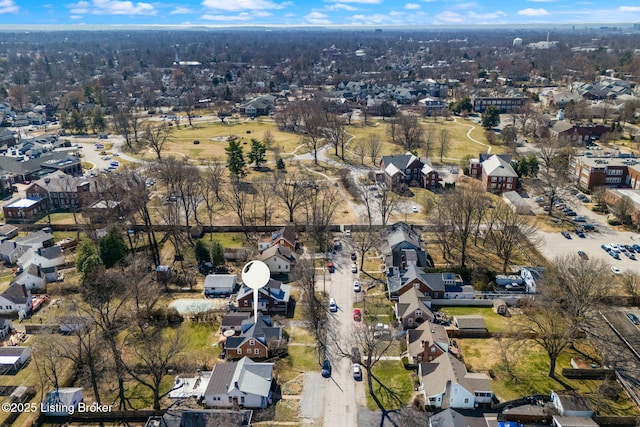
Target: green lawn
{"x":494,"y":321}
{"x":199,"y":339}
{"x":300,"y":359}
{"x":392,"y":374}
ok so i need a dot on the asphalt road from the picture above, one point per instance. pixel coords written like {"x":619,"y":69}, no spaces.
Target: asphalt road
{"x":343,"y":394}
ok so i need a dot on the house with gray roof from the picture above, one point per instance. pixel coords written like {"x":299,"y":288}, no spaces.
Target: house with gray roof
{"x":427,"y":342}
{"x":495,"y":172}
{"x":432,"y":285}
{"x":411,"y":310}
{"x":273,"y":298}
{"x":259,"y":106}
{"x":446,"y":383}
{"x":408,"y":168}
{"x":453,"y":418}
{"x":257,"y":337}
{"x":471,"y":322}
{"x":220,"y":284}
{"x":280,"y":259}
{"x":244,"y":383}
{"x":198,"y":417}
{"x":403,"y":246}
{"x":15,"y":299}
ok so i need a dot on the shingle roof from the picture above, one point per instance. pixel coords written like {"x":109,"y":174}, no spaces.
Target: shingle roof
{"x":470,"y":322}
{"x":410,"y":301}
{"x":496,"y":166}
{"x":430,"y":333}
{"x":447,"y":368}
{"x":17,"y":294}
{"x":221,"y":378}
{"x":254,"y":378}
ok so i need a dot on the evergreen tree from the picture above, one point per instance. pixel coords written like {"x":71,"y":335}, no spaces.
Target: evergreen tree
{"x":86,"y":249}
{"x":202,"y":252}
{"x":490,"y":117}
{"x":217,"y":253}
{"x":112,"y":248}
{"x":280,"y":164}
{"x":257,"y":153}
{"x":236,"y":159}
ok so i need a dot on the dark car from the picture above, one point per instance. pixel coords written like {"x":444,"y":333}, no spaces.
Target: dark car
{"x":634,"y":319}
{"x":326,"y":369}
{"x":571,"y":213}
{"x":354,"y":256}
{"x":580,"y":234}
{"x":588,"y":227}
{"x":582,"y":255}
{"x":566,"y":235}
{"x":636,"y":247}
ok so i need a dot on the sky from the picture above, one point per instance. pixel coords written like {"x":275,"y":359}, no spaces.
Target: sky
{"x":350,"y":13}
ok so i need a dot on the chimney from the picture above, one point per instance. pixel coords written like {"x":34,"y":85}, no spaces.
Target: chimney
{"x":235,"y":384}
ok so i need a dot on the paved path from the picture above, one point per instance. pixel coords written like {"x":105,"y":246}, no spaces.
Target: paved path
{"x":312,"y":398}
{"x":471,"y":128}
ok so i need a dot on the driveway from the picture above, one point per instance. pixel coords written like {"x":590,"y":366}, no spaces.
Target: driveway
{"x":312,"y":398}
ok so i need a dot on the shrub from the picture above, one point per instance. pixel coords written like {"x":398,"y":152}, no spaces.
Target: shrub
{"x":613,"y":221}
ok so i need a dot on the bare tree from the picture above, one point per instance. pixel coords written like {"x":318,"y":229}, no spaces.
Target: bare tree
{"x":429,"y":140}
{"x":155,"y":350}
{"x":264,"y":190}
{"x":444,"y":143}
{"x":236,"y":198}
{"x":292,"y":193}
{"x":155,"y":137}
{"x":374,"y":147}
{"x":508,"y":231}
{"x":365,"y":240}
{"x":388,"y":203}
{"x":406,"y":131}
{"x":322,"y":203}
{"x":631,"y":285}
{"x":368,"y":197}
{"x":460,"y":212}
{"x":623,"y":209}
{"x":360,"y":150}
{"x":313,"y":126}
{"x":336,"y":133}
{"x":312,"y":304}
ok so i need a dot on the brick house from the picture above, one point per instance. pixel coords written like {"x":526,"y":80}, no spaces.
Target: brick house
{"x":402,"y":169}
{"x":273,"y":298}
{"x":284,"y":237}
{"x":495,"y":172}
{"x":411,"y":309}
{"x":255,"y":340}
{"x":427,"y":342}
{"x":431,"y":285}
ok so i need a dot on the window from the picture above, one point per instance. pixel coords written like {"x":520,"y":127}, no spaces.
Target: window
{"x":242,"y":400}
{"x":245,"y":303}
{"x":466,"y":400}
{"x":239,"y":350}
{"x":410,"y":321}
{"x":230,"y":399}
{"x":252,"y":342}
{"x":418,"y":312}
{"x":256,"y":350}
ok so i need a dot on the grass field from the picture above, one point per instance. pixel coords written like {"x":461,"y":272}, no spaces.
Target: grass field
{"x":301,"y":359}
{"x":392,"y":374}
{"x":494,"y":321}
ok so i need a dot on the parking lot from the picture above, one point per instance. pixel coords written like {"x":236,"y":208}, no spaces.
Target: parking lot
{"x":554,"y":244}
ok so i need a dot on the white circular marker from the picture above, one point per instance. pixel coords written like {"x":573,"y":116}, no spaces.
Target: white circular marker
{"x":255,"y":274}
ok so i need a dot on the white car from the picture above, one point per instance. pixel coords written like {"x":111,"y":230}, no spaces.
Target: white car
{"x":616,"y":270}
{"x":414,"y":209}
{"x":354,"y":268}
{"x":357,"y":372}
{"x":333,"y":307}
{"x":356,"y":286}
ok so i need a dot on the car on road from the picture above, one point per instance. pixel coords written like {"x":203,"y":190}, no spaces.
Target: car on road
{"x":414,"y":209}
{"x":333,"y":307}
{"x":357,"y":372}
{"x":588,"y":227}
{"x":566,"y":234}
{"x":514,"y":287}
{"x":580,"y":234}
{"x":354,"y":268}
{"x":634,"y":319}
{"x":331,"y":267}
{"x":326,"y":369}
{"x":357,"y":315}
{"x":615,"y":270}
{"x":347,"y":233}
{"x":356,"y":286}
{"x":354,"y":256}
{"x":583,"y":255}
{"x":571,"y":213}
{"x":580,"y":218}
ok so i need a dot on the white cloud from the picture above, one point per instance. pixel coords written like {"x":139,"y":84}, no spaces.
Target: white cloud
{"x":412,"y":6}
{"x":243,"y":17}
{"x":111,"y":7}
{"x":76,"y":17}
{"x":8,"y":6}
{"x":361,"y":1}
{"x":180,"y":11}
{"x":631,"y":9}
{"x":341,"y":6}
{"x":533,"y":12}
{"x":317,"y":18}
{"x":238,"y":5}
{"x":449,"y":17}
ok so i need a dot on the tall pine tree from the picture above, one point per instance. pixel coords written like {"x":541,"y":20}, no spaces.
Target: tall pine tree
{"x":236,"y":159}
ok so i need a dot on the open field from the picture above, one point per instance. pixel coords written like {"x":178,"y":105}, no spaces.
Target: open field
{"x":494,"y":321}
{"x":392,"y":374}
{"x":302,"y":358}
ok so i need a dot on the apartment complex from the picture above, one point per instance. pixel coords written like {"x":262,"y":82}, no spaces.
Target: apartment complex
{"x":612,"y":172}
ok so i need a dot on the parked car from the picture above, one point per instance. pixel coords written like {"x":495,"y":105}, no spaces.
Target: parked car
{"x":354,"y":256}
{"x":356,"y":286}
{"x":357,"y":372}
{"x":414,"y":209}
{"x":636,"y":247}
{"x":571,"y":213}
{"x":326,"y":369}
{"x":357,"y":315}
{"x":580,"y":218}
{"x":333,"y":307}
{"x":589,"y":227}
{"x":634,"y":319}
{"x":580,"y":234}
{"x":354,"y":268}
{"x":514,"y":287}
{"x":566,"y":234}
{"x":629,"y":248}
{"x":331,"y":267}
{"x":616,"y":270}
{"x":582,"y":255}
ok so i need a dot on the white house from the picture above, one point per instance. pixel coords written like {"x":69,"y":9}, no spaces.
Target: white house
{"x":32,"y":278}
{"x":15,"y":299}
{"x":447,"y":377}
{"x":243,"y":383}
{"x":571,"y":404}
{"x":220,"y":284}
{"x":278,"y":258}
{"x":62,"y":402}
{"x":12,"y":358}
{"x":5,"y":327}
